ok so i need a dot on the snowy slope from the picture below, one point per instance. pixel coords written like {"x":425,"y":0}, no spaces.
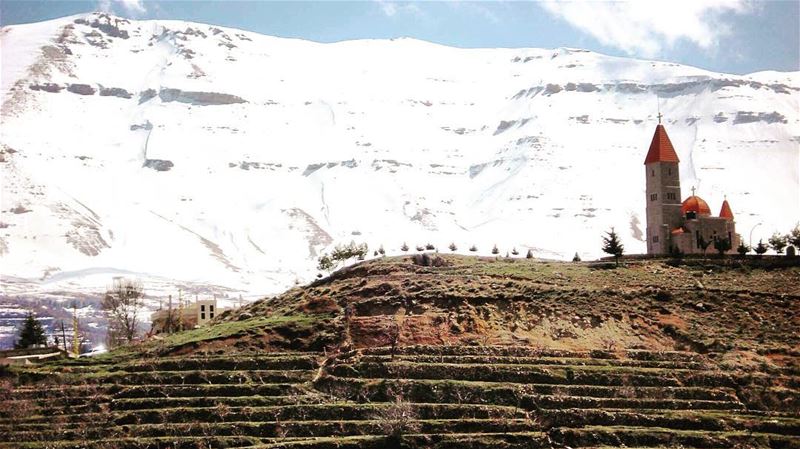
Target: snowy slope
{"x":191,"y":154}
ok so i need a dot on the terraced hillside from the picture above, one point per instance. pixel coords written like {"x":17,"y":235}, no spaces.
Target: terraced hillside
{"x":325,"y":370}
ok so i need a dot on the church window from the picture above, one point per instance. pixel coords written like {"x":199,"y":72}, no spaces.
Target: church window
{"x":655,"y":239}
{"x":670,"y":196}
{"x":202,"y":316}
{"x":669,"y":171}
{"x":653,"y":196}
{"x":652,"y":173}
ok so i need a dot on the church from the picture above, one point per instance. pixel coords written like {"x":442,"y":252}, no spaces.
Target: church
{"x":674,"y":226}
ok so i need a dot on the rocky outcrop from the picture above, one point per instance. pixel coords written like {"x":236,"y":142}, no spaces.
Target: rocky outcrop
{"x":81,"y":89}
{"x":197,"y":98}
{"x":114,"y":92}
{"x":105,"y":23}
{"x":47,"y":87}
{"x":158,"y":164}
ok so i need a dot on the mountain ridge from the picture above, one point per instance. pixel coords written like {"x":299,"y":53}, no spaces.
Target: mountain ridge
{"x":221,"y":157}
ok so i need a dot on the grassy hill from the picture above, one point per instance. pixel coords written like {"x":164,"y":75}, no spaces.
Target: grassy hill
{"x":471,"y":353}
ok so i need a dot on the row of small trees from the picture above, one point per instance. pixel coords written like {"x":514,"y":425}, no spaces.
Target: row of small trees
{"x":342,"y":253}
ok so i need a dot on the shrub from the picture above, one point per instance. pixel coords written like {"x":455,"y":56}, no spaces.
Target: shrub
{"x":429,"y":246}
{"x":397,"y":419}
{"x":426,"y":260}
{"x":420,"y":248}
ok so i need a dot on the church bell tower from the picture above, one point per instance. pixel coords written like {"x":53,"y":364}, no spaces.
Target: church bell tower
{"x":663,"y":187}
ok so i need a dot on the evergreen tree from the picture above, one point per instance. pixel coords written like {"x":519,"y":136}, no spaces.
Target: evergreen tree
{"x":577,"y":258}
{"x":495,"y":250}
{"x":453,"y":247}
{"x":761,"y":248}
{"x":514,"y":251}
{"x":31,"y":333}
{"x":794,"y":236}
{"x":778,"y":242}
{"x":529,"y":255}
{"x":613,"y":246}
{"x":473,"y":248}
{"x":325,"y":263}
{"x":381,"y":251}
{"x":722,"y":246}
{"x":404,"y":248}
{"x":742,"y":249}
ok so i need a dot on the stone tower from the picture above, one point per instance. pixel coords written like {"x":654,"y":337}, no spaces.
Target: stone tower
{"x":663,"y":192}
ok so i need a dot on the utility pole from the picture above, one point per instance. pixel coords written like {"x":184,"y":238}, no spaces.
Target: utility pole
{"x":76,"y":343}
{"x":63,"y":336}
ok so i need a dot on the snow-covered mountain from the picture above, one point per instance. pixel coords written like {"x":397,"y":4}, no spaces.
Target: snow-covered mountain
{"x":225,"y":161}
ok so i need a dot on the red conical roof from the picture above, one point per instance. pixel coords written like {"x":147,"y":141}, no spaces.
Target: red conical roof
{"x":726,"y":211}
{"x":661,"y":149}
{"x":695,"y":204}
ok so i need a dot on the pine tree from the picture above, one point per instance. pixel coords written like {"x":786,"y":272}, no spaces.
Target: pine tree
{"x":576,"y":258}
{"x":495,"y":250}
{"x":381,"y":251}
{"x":404,"y":248}
{"x":31,"y":333}
{"x":722,"y":246}
{"x":325,"y":263}
{"x":612,"y":245}
{"x":529,"y":255}
{"x":473,"y":248}
{"x":453,"y":247}
{"x":761,"y":248}
{"x":514,"y":251}
{"x":778,"y":242}
{"x":742,"y":249}
{"x":794,"y":237}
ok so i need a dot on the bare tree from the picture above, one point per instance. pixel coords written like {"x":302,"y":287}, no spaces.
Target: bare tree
{"x":121,"y":303}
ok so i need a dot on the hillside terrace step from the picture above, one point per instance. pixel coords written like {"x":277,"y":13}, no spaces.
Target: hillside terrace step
{"x":541,"y":361}
{"x":653,"y":436}
{"x":578,"y":375}
{"x":528,"y":351}
{"x":280,"y":429}
{"x":674,"y":420}
{"x":561,"y":402}
{"x":201,"y":390}
{"x":138,"y":443}
{"x":429,"y":388}
{"x":301,"y":362}
{"x":314,"y":412}
{"x":306,"y":412}
{"x":507,"y":440}
{"x":218,"y":377}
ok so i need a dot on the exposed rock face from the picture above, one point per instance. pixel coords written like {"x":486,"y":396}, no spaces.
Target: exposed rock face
{"x":146,"y":95}
{"x":107,"y":24}
{"x":751,"y":117}
{"x":158,"y":164}
{"x":81,"y":89}
{"x":147,"y":126}
{"x":198,"y":98}
{"x":114,"y":92}
{"x":47,"y":87}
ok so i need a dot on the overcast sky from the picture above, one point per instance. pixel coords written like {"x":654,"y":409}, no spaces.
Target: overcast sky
{"x":733,"y":36}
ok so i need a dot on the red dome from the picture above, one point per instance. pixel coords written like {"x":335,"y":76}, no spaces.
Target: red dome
{"x":695,"y":204}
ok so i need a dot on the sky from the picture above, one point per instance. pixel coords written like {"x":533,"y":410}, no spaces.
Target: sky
{"x":731,"y":36}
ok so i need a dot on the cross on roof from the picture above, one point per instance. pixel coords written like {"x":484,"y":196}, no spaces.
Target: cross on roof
{"x":659,"y":117}
{"x":693,"y":189}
